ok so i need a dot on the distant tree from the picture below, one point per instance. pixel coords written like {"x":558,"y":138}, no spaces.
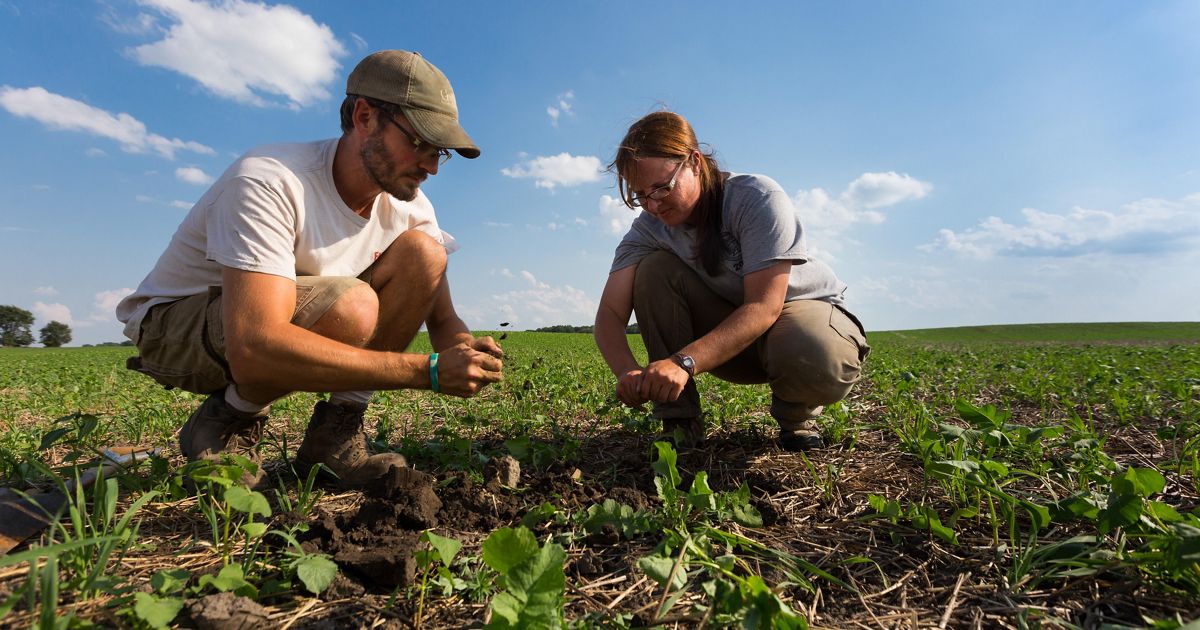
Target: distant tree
{"x":14,"y":326}
{"x":564,"y":328}
{"x":633,"y":329}
{"x":55,"y":334}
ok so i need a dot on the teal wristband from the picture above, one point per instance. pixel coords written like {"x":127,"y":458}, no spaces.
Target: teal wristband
{"x":433,"y":381}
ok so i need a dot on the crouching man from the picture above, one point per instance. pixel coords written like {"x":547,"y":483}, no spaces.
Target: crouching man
{"x":311,"y":267}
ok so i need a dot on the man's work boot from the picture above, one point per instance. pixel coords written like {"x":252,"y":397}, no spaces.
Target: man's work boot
{"x":335,"y":437}
{"x":798,"y":431}
{"x":216,"y":428}
{"x":684,"y":432}
{"x":802,"y":438}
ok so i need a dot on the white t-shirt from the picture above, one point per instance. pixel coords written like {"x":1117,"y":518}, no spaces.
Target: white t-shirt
{"x":275,"y":210}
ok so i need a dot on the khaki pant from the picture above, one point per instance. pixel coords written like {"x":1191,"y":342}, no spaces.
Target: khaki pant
{"x":182,"y":343}
{"x":811,"y":356}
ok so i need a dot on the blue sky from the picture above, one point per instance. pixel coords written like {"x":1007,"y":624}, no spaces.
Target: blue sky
{"x":956,"y":163}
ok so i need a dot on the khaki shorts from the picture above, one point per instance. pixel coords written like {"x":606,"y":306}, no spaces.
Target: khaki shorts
{"x":182,"y":343}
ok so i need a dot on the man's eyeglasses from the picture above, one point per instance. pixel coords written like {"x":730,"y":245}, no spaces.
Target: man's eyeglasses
{"x":443,"y":155}
{"x":660,"y":193}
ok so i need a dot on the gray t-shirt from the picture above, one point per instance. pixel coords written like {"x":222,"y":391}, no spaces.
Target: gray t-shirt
{"x":759,"y":227}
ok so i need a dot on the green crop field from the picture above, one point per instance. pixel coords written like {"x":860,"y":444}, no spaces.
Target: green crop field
{"x":996,"y":476}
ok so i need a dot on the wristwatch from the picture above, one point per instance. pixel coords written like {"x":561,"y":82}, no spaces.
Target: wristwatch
{"x":685,"y":362}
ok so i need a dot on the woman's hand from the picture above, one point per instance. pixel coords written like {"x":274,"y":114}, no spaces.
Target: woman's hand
{"x":663,"y":381}
{"x":628,"y":384}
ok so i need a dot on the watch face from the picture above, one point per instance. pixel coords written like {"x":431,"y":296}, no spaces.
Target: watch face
{"x":686,"y":363}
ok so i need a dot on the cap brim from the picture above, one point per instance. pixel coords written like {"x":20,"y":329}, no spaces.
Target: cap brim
{"x":442,"y":130}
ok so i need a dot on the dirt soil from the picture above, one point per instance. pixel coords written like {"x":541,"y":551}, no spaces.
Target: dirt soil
{"x":911,"y":580}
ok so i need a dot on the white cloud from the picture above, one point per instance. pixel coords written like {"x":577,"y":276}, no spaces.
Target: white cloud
{"x":561,"y":106}
{"x":140,"y":24}
{"x":1146,"y":226}
{"x":497,"y":224}
{"x":182,"y":205}
{"x":95,"y":153}
{"x":41,"y":187}
{"x":59,"y":112}
{"x":858,"y":203}
{"x":359,"y":42}
{"x":53,"y":312}
{"x":533,"y":282}
{"x":615,"y":216}
{"x":145,"y":199}
{"x":248,"y":52}
{"x":563,"y":169}
{"x":193,"y":175}
{"x":107,"y":300}
{"x":541,"y":304}
{"x":46,"y":291}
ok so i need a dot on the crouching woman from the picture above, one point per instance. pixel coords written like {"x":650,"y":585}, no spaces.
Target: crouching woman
{"x":717,"y":271}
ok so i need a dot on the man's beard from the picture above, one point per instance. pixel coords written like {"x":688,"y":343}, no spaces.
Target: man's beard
{"x":380,"y":166}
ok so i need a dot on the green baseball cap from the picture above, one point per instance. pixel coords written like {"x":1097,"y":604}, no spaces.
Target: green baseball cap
{"x":421,"y":90}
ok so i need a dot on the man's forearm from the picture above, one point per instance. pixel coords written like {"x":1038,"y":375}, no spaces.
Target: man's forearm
{"x":449,"y":333}
{"x":291,"y":358}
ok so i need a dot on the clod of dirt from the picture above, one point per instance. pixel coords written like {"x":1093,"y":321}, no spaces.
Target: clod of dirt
{"x":502,"y":472}
{"x":403,"y":497}
{"x":226,"y":611}
{"x":375,"y":544}
{"x":343,"y":587}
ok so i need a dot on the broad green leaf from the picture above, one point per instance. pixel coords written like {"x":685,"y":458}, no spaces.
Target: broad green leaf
{"x":534,"y":595}
{"x":700,"y":494}
{"x":543,"y":582}
{"x":658,"y":568}
{"x":506,"y":611}
{"x":248,"y":501}
{"x":1122,"y":510}
{"x":316,"y":572}
{"x":951,"y":467}
{"x":230,"y":579}
{"x":747,"y":515}
{"x":157,"y":612}
{"x":995,"y":468}
{"x":170,"y":581}
{"x":1037,"y":434}
{"x":254,"y":530}
{"x":217,"y":479}
{"x":926,"y":518}
{"x":1081,"y":506}
{"x":980,"y":417}
{"x":446,"y":548}
{"x":51,"y":437}
{"x":1165,"y":513}
{"x":665,"y":464}
{"x":1140,"y":481}
{"x":507,"y":547}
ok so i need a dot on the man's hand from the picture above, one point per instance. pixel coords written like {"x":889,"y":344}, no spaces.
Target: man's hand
{"x":663,"y":381}
{"x":487,"y":345}
{"x":463,"y":370}
{"x":627,"y":389}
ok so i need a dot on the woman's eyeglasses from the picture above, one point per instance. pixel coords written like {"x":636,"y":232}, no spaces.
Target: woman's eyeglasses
{"x":660,"y":193}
